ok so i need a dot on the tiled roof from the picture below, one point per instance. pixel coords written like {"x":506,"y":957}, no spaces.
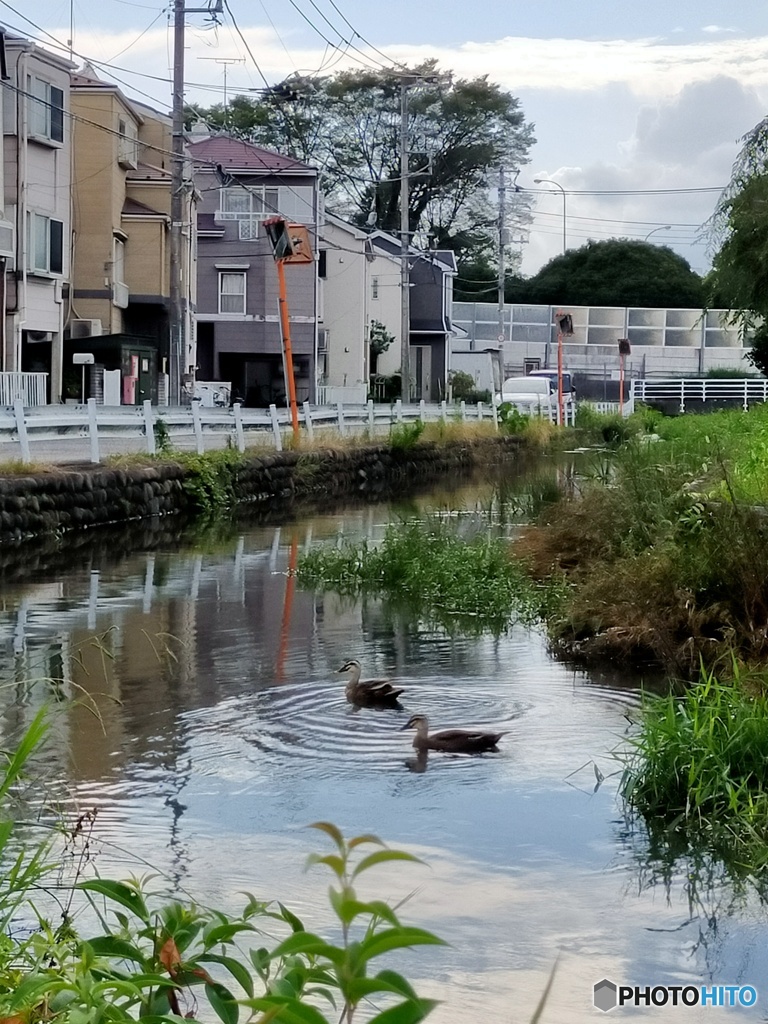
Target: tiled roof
{"x":234,"y":153}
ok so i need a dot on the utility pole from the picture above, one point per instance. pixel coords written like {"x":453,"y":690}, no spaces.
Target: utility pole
{"x":405,"y":237}
{"x":177,"y":342}
{"x":502,"y":230}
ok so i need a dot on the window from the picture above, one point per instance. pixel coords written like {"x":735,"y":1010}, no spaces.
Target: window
{"x":127,"y":145}
{"x":232,"y":292}
{"x":250,"y":204}
{"x":46,"y":244}
{"x":46,"y":109}
{"x":120,"y":291}
{"x":374,"y":287}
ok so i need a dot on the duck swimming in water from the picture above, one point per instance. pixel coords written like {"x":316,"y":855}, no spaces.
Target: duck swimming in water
{"x":452,"y":741}
{"x":369,"y":692}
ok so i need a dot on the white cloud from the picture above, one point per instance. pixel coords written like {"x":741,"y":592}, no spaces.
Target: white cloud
{"x":717,"y":29}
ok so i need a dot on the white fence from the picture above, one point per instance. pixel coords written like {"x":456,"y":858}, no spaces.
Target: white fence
{"x":680,"y":391}
{"x":30,"y":388}
{"x":90,"y":432}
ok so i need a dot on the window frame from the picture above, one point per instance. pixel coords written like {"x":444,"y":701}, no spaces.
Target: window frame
{"x":45,"y":237}
{"x":243,"y":275}
{"x":46,"y":110}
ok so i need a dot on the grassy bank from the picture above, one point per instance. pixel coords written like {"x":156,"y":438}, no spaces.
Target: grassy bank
{"x":665,"y":546}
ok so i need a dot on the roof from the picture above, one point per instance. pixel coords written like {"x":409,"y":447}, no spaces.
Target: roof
{"x":234,"y":154}
{"x":87,"y":78}
{"x":135,"y":208}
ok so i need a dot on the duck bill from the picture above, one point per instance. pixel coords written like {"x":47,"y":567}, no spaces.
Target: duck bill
{"x":404,"y":727}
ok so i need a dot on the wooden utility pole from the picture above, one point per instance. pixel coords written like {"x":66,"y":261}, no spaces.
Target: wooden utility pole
{"x":177,"y":342}
{"x":405,"y":238}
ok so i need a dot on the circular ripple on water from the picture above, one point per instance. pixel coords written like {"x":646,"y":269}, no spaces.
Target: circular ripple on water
{"x":312,"y":726}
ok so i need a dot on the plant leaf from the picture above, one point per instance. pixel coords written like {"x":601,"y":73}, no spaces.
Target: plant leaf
{"x":223,"y":1002}
{"x":397,"y":938}
{"x":121,"y":893}
{"x":405,"y":1013}
{"x":380,"y":857}
{"x":330,"y":830}
{"x":291,"y":918}
{"x":239,"y":971}
{"x":287,"y":1010}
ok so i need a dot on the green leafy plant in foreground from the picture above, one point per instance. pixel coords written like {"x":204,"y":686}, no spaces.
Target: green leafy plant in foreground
{"x":154,"y":957}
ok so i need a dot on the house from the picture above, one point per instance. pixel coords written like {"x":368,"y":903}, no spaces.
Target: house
{"x":121,"y":238}
{"x":360,"y":293}
{"x":238,"y":326}
{"x":35,"y":219}
{"x":431,"y":274}
{"x":361,"y":278}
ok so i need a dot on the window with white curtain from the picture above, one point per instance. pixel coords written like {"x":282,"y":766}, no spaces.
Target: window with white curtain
{"x":232,"y":292}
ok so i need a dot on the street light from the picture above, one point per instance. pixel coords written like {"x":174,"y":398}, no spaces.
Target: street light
{"x":664,"y":227}
{"x":540,"y":181}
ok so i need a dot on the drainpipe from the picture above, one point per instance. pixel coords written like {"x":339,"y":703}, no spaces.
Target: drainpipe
{"x":22,"y":244}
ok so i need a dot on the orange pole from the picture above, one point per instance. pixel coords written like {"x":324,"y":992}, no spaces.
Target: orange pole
{"x":560,"y":409}
{"x":285,"y":323}
{"x":285,"y":625}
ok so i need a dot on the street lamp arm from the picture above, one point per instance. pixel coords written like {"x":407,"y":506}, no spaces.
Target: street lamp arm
{"x":549,"y":181}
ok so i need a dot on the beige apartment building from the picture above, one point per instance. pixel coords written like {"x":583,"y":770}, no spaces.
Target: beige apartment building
{"x":121,"y":183}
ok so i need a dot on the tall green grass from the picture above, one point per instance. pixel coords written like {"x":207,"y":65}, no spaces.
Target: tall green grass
{"x":462,"y":584}
{"x":699,"y":765}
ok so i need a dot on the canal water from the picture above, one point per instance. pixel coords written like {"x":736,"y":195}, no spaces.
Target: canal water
{"x":223,"y":732}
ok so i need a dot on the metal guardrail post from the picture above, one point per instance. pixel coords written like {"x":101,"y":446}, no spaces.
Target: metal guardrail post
{"x":93,"y":430}
{"x":21,"y":429}
{"x":480,"y":413}
{"x":495,"y":413}
{"x":149,"y":428}
{"x":237,"y":411}
{"x":197,"y":426}
{"x":463,"y":408}
{"x":308,"y":421}
{"x":399,"y":410}
{"x":746,"y":395}
{"x":422,"y":410}
{"x":444,"y":411}
{"x":371,"y":417}
{"x":276,"y":428}
{"x":340,"y":418}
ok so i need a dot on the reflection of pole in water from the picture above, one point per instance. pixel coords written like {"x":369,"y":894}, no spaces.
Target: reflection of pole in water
{"x":285,"y":625}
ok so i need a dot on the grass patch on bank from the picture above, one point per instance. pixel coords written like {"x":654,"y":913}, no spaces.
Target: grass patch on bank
{"x":666,"y":546}
{"x":463,"y":585}
{"x":699,"y":767}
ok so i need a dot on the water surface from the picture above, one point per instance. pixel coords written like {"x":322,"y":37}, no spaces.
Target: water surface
{"x":224,"y":732}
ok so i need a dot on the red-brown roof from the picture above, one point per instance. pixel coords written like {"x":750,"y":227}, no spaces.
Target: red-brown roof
{"x":133,"y":206}
{"x":234,"y":153}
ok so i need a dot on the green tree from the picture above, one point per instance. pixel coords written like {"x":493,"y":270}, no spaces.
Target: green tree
{"x":348,"y":124}
{"x":617,"y":272}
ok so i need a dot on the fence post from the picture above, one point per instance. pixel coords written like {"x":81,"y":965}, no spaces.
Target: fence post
{"x":198,"y":427}
{"x":443,"y":410}
{"x":495,"y":413}
{"x":237,"y":410}
{"x":682,"y":397}
{"x":371,"y":417}
{"x":463,"y":407}
{"x":480,"y":413}
{"x":93,"y":430}
{"x":276,"y":428}
{"x":746,"y":397}
{"x":149,"y":427}
{"x":422,"y":410}
{"x":308,"y":421}
{"x":21,"y":429}
{"x":399,"y":410}
{"x":340,"y":417}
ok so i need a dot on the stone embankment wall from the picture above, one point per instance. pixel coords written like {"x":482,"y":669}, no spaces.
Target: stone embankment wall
{"x":68,"y":499}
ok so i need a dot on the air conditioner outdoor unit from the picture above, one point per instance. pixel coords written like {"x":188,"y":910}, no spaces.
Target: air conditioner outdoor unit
{"x":84,"y":328}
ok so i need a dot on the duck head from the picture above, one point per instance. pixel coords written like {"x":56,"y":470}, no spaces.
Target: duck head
{"x":417,"y":722}
{"x":353,"y":665}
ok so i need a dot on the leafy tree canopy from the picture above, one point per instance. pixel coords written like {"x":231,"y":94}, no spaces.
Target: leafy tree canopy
{"x":617,"y":272}
{"x":348,"y":125}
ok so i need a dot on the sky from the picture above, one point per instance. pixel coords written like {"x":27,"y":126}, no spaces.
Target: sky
{"x":645,"y":103}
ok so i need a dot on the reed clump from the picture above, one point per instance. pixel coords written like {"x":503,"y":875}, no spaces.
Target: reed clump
{"x":698,"y":766}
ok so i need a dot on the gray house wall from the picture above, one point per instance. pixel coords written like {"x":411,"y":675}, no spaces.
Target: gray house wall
{"x":227,"y":342}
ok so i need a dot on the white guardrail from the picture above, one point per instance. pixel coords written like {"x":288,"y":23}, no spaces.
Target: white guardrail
{"x":122,"y":429}
{"x":746,"y":391}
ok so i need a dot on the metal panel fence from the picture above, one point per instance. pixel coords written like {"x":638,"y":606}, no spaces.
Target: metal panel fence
{"x":31,"y":388}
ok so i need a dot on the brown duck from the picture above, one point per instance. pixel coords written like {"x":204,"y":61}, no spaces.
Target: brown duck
{"x":369,"y":692}
{"x":451,"y":741}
